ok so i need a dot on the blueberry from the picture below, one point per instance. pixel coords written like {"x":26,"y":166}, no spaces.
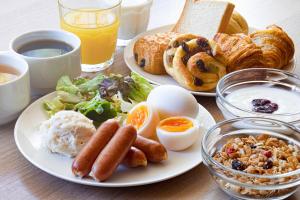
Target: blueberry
{"x":185,"y":59}
{"x":201,"y":66}
{"x":260,"y":102}
{"x":202,"y":42}
{"x":143,"y":62}
{"x":252,"y":146}
{"x":268,"y":108}
{"x":185,"y":47}
{"x":198,"y":81}
{"x":268,"y":164}
{"x":237,"y":165}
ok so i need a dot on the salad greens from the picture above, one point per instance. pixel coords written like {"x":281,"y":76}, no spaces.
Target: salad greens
{"x":100,"y":98}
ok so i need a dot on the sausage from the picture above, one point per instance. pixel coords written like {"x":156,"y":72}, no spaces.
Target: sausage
{"x":135,"y":158}
{"x":154,"y":151}
{"x":83,"y":162}
{"x":113,"y":154}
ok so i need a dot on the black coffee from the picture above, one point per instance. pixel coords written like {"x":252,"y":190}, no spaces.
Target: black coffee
{"x":45,"y":48}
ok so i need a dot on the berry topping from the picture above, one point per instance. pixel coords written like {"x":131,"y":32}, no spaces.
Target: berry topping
{"x":260,"y":102}
{"x":201,"y":66}
{"x":252,"y":146}
{"x":143,"y":62}
{"x":230,"y":150}
{"x":264,"y":106}
{"x":237,"y":165}
{"x":268,"y":164}
{"x":268,"y":154}
{"x":198,"y":81}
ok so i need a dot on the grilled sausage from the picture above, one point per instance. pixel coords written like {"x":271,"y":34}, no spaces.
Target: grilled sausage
{"x":135,"y":158}
{"x":83,"y":162}
{"x":154,"y":151}
{"x":113,"y":154}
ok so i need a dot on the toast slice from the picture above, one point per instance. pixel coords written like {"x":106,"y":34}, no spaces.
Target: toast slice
{"x":204,"y":17}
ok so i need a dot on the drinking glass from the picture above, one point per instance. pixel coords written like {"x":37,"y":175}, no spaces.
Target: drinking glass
{"x":96,"y":23}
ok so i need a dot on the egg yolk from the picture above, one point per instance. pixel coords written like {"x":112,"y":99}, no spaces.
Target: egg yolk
{"x":137,"y":117}
{"x":176,"y":124}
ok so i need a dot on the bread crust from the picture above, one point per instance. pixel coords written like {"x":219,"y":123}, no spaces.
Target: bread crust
{"x":148,"y":52}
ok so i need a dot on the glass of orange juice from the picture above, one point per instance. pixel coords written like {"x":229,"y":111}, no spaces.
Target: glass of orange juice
{"x":96,"y":23}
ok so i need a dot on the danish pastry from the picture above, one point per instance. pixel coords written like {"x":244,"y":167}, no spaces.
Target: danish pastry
{"x":148,"y":52}
{"x":194,"y":67}
{"x":237,"y":51}
{"x":277,"y":47}
{"x":173,"y":45}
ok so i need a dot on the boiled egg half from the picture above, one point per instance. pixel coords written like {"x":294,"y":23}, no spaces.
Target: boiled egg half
{"x":178,"y":133}
{"x":171,"y":100}
{"x":145,"y":119}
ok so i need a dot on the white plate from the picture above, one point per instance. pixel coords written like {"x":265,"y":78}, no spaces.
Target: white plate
{"x":166,"y":79}
{"x":28,"y":140}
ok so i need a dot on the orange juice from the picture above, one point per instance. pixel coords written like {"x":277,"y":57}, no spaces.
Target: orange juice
{"x":97,"y":30}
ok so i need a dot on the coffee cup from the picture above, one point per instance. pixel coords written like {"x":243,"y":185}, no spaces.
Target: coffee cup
{"x":14,"y":92}
{"x":46,"y":61}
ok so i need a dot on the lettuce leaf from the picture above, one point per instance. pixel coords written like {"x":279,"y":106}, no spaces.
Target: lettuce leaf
{"x":65,"y":84}
{"x":91,"y":85}
{"x":53,"y":106}
{"x":141,"y":88}
{"x":97,"y":109}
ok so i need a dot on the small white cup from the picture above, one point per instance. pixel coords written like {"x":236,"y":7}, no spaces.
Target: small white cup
{"x":15,"y":94}
{"x":44,"y":72}
{"x":134,"y":18}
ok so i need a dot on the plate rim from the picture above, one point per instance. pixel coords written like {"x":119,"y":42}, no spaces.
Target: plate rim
{"x":128,"y":50}
{"x":82,"y":181}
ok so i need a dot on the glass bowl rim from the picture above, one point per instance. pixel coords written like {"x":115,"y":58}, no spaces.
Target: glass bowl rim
{"x":224,"y":101}
{"x":62,"y":5}
{"x":223,"y":167}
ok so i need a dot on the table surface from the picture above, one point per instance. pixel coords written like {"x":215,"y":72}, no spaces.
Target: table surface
{"x":21,"y":180}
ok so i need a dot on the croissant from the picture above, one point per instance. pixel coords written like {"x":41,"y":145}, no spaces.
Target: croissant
{"x":237,"y":51}
{"x":194,"y":67}
{"x":277,"y":47}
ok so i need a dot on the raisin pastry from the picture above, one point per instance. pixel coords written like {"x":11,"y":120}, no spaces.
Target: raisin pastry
{"x":173,"y":45}
{"x":237,"y":51}
{"x":194,"y":67}
{"x":277,"y":47}
{"x":186,"y":50}
{"x":148,"y":52}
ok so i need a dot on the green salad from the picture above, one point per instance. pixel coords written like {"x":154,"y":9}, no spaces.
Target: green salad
{"x":100,"y":98}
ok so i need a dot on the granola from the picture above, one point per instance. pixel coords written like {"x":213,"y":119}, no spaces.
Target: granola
{"x":263,"y":155}
{"x":259,"y":155}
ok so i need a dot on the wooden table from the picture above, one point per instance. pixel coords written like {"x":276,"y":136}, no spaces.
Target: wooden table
{"x":21,"y":180}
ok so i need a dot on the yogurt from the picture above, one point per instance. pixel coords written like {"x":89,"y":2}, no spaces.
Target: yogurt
{"x":134,"y":18}
{"x":288,"y":102}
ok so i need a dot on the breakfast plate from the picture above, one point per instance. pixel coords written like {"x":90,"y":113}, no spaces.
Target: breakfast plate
{"x":166,"y":79}
{"x":29,"y":142}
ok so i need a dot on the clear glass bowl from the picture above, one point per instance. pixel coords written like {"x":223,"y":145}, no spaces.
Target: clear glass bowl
{"x":242,"y":185}
{"x":256,"y":77}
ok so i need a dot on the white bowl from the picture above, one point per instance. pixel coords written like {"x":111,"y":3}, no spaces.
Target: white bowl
{"x":15,"y":94}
